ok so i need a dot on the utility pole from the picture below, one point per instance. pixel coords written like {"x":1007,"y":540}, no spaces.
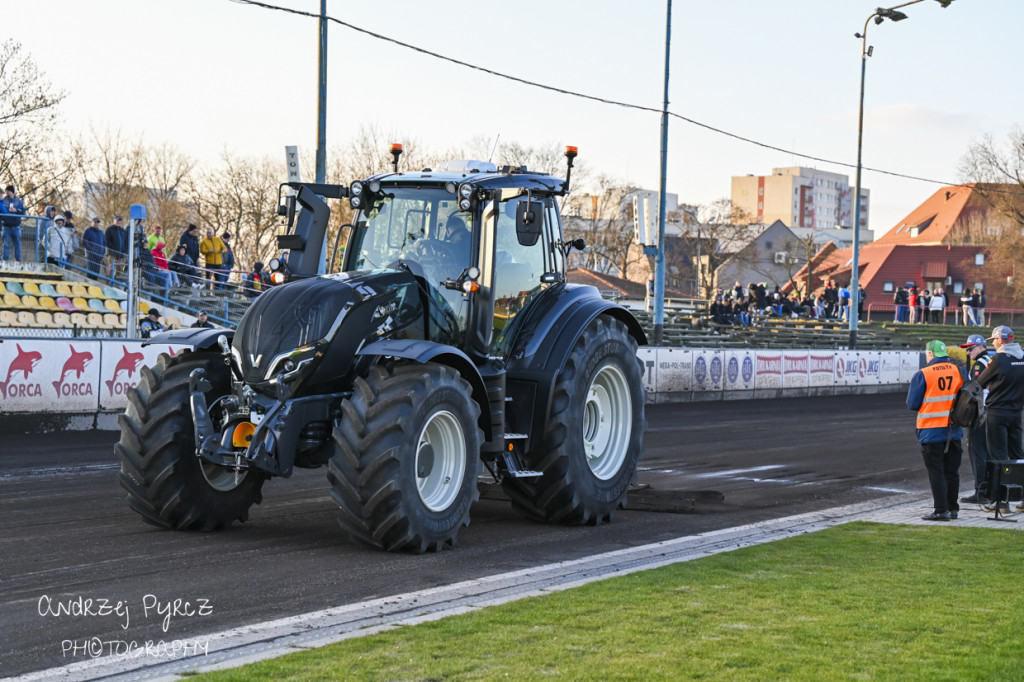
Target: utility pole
{"x":321,"y":103}
{"x":659,"y":267}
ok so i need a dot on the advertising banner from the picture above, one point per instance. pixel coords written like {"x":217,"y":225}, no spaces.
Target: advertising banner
{"x":673,"y":374}
{"x":889,"y":368}
{"x":868,"y":369}
{"x":122,"y":363}
{"x":821,"y":369}
{"x":845,"y":368}
{"x":767,"y":369}
{"x":648,"y":359}
{"x":796,"y":369}
{"x":708,"y":374}
{"x":49,"y":376}
{"x":910,"y":362}
{"x":739,"y":370}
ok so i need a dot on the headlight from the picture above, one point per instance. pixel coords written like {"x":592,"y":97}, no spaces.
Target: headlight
{"x":466,"y":191}
{"x":356,"y":189}
{"x":274,"y":264}
{"x":355,"y":202}
{"x":374,"y":186}
{"x":465,"y":204}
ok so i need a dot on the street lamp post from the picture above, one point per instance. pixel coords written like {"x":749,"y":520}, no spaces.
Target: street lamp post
{"x":879,"y":15}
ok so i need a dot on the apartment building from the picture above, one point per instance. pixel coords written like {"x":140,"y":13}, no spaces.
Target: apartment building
{"x":799,"y":197}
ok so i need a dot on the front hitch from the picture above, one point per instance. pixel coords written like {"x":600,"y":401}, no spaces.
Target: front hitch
{"x":208,"y":445}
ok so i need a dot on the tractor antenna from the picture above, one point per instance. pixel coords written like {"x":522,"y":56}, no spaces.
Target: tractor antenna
{"x":396,"y":151}
{"x":494,"y":148}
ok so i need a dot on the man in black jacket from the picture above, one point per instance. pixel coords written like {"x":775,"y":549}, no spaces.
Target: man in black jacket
{"x":978,"y":358}
{"x":1004,"y":379}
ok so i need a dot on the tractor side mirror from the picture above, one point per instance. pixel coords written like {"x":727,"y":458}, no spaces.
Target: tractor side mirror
{"x":287,"y":209}
{"x":528,"y":222}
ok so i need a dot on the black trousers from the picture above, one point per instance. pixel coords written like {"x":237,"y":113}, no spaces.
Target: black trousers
{"x":1004,"y":437}
{"x":943,"y":473}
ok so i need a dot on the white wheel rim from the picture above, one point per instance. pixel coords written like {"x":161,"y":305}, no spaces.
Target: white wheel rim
{"x":444,"y":472}
{"x":607,"y":422}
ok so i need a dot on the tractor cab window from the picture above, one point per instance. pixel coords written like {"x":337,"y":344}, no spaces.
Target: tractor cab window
{"x":517,"y":272}
{"x":423,"y":231}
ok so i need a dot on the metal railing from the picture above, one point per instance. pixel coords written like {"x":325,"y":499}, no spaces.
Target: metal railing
{"x":954,"y":312}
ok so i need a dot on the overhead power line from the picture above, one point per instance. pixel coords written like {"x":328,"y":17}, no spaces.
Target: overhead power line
{"x":593,"y":98}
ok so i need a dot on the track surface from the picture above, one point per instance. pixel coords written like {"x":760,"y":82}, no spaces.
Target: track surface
{"x":68,"y":533}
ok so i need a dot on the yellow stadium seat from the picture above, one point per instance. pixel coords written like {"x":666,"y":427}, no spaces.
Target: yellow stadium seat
{"x":96,"y":292}
{"x":12,"y":301}
{"x":112,"y":305}
{"x":79,"y":290}
{"x":26,"y":319}
{"x":63,"y":289}
{"x":78,"y":319}
{"x":29,"y":302}
{"x":113,"y":321}
{"x":45,"y":319}
{"x":3,"y":289}
{"x":61,"y":319}
{"x":30,"y":288}
{"x":124,"y":319}
{"x":8,"y":318}
{"x":80,"y":303}
{"x":48,"y":303}
{"x":95,"y":321}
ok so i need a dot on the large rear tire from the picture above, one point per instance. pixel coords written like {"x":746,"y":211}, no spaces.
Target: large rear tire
{"x":167,"y":484}
{"x":589,"y":451}
{"x":406,"y":457}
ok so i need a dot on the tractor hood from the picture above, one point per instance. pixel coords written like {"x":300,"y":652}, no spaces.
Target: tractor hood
{"x":322,"y":321}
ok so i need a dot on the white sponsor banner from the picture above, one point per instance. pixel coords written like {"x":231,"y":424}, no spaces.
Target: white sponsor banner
{"x":674,"y":370}
{"x":868,"y":368}
{"x":49,"y":376}
{"x":739,"y":370}
{"x":649,"y":361}
{"x":910,"y":362}
{"x":821,"y":368}
{"x":889,"y":368}
{"x":767,"y":369}
{"x":122,"y":364}
{"x":796,"y":369}
{"x":708,"y":370}
{"x":845,"y":368}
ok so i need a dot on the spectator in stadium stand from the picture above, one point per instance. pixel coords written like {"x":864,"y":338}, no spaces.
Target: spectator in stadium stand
{"x":181,"y":265}
{"x":978,"y":303}
{"x":965,"y":308}
{"x":924,"y":301}
{"x":862,"y":296}
{"x":912,"y":303}
{"x":978,"y":358}
{"x":937,"y":306}
{"x":117,"y":246}
{"x":95,"y":243}
{"x":203,"y":321}
{"x":68,"y":218}
{"x":212,"y":248}
{"x":151,"y":324}
{"x":831,"y":300}
{"x":10,"y":224}
{"x":227,"y":262}
{"x":900,"y":300}
{"x":1004,"y":379}
{"x":61,"y":242}
{"x":931,"y":394}
{"x":156,"y":238}
{"x":190,"y":238}
{"x":160,"y":259}
{"x":255,"y":281}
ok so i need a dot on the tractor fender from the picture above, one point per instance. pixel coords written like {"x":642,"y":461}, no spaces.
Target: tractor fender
{"x":545,"y":342}
{"x":427,"y":351}
{"x":200,"y":338}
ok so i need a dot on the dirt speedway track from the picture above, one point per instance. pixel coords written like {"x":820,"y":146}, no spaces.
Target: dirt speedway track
{"x":69,"y":534}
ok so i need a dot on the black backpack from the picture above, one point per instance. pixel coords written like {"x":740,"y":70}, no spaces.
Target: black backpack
{"x":968,"y":408}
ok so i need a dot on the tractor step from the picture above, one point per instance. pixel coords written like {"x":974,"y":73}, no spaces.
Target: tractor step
{"x":516,"y":436}
{"x":514,"y":465}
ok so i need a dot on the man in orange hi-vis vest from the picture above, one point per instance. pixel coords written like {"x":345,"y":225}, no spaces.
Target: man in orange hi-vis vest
{"x":931,"y":394}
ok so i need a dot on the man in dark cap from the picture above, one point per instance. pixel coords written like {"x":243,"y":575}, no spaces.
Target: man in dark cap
{"x":1004,"y":379}
{"x":202,"y":321}
{"x":151,"y":324}
{"x":10,"y":224}
{"x":95,"y":243}
{"x":977,"y":438}
{"x":931,"y":394}
{"x":117,"y":246}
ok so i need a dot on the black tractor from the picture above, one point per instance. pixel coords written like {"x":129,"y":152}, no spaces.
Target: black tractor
{"x":450,"y":341}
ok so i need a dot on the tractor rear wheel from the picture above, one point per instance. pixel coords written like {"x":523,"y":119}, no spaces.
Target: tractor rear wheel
{"x":167,"y":483}
{"x":406,"y":457}
{"x":593,"y":440}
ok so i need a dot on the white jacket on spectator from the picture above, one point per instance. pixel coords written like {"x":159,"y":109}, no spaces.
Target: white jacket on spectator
{"x":938,"y":302}
{"x":61,"y":242}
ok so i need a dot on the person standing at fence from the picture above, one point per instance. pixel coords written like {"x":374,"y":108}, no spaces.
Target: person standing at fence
{"x":156,"y":238}
{"x":977,"y":438}
{"x":937,"y":306}
{"x":212,"y":248}
{"x":965,"y":308}
{"x":227,"y":262}
{"x":931,"y":394}
{"x":95,"y":243}
{"x":190,"y":239}
{"x":981,"y":306}
{"x":1004,"y":379}
{"x":912,"y":305}
{"x":10,"y":224}
{"x":900,"y":301}
{"x":61,"y":242}
{"x":117,"y":247}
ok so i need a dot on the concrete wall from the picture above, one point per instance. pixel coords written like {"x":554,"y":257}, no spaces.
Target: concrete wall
{"x":53,"y":384}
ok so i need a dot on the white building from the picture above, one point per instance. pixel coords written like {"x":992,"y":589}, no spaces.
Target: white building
{"x":799,"y":197}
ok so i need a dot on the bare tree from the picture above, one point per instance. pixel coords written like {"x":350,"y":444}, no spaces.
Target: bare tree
{"x":113,"y":171}
{"x":605,"y":221}
{"x":31,"y":157}
{"x":719,"y":232}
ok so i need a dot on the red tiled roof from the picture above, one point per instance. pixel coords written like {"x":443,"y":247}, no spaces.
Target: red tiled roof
{"x":622,"y":287}
{"x":935,"y":270}
{"x":944,"y":218}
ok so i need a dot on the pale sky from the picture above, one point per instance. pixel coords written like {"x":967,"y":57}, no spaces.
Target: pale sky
{"x":210,"y":74}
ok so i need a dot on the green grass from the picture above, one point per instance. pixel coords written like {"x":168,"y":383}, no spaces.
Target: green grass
{"x":857,"y":602}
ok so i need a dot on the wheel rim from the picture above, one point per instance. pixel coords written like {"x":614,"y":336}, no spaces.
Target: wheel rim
{"x":222,"y":479}
{"x":607,"y":422}
{"x":440,"y":461}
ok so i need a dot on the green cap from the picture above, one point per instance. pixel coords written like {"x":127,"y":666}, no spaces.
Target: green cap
{"x":937,"y":348}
